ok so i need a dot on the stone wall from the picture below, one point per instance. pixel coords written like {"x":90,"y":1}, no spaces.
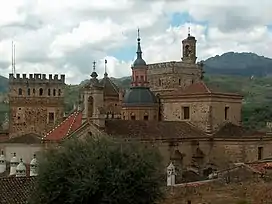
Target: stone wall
{"x":32,"y":99}
{"x":168,"y":76}
{"x":204,"y":110}
{"x":220,"y":193}
{"x":221,"y":152}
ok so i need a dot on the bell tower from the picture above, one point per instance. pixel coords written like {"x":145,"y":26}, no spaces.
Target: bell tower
{"x":189,"y":49}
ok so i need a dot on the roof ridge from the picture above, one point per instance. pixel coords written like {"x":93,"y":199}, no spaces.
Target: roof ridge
{"x":58,"y":125}
{"x":206,"y":87}
{"x":72,"y":123}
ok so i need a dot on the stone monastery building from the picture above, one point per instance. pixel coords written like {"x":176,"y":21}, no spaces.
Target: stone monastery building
{"x":168,"y":105}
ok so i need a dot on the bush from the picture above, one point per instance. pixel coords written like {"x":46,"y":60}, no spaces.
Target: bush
{"x":100,"y":171}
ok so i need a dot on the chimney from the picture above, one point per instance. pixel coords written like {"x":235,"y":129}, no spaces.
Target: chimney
{"x":34,"y":166}
{"x":21,"y":169}
{"x":13,"y":164}
{"x":3,"y":164}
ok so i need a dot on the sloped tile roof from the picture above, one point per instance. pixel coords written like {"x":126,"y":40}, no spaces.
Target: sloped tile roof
{"x":71,"y":123}
{"x":200,"y":88}
{"x":16,"y":190}
{"x":30,"y":138}
{"x":145,"y":130}
{"x":110,"y":88}
{"x":232,"y":130}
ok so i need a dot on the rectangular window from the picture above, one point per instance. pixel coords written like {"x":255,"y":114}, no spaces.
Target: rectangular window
{"x":260,"y":153}
{"x":146,"y":117}
{"x":132,"y":117}
{"x":51,"y":117}
{"x":186,"y":113}
{"x":226,"y":113}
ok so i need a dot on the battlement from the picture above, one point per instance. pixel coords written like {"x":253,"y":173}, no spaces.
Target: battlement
{"x":37,"y":78}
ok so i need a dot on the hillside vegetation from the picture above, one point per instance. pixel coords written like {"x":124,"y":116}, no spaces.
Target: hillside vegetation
{"x":244,"y":73}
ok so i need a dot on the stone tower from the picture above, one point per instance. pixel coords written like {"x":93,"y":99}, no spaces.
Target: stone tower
{"x":189,"y":49}
{"x":165,"y":77}
{"x":36,"y":103}
{"x":93,"y":101}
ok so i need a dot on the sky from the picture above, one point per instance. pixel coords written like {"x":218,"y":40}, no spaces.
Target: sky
{"x":65,"y":37}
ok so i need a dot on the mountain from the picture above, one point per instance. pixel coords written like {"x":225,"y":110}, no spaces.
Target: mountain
{"x":239,"y":64}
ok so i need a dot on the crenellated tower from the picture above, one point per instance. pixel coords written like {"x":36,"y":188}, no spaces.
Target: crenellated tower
{"x":36,"y":103}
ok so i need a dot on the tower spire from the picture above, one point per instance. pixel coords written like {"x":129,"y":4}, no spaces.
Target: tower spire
{"x":139,"y":50}
{"x":106,"y":74}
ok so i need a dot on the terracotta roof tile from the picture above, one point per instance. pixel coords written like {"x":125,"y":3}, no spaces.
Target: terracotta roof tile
{"x":16,"y":190}
{"x":70,"y":124}
{"x":199,"y":88}
{"x":151,"y":129}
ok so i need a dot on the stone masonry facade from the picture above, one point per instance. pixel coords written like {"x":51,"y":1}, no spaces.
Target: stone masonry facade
{"x":36,"y":103}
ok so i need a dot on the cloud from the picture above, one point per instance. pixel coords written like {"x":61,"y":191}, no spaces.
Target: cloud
{"x":67,"y":36}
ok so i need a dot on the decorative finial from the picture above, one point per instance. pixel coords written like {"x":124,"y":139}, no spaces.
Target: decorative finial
{"x":138,"y":34}
{"x":139,"y":50}
{"x":106,"y":74}
{"x":94,"y":63}
{"x":189,"y":31}
{"x":94,"y":74}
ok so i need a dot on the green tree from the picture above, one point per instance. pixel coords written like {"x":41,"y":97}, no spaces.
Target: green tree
{"x":100,"y":171}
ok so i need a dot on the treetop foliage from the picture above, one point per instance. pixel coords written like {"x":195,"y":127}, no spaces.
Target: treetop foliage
{"x":100,"y":171}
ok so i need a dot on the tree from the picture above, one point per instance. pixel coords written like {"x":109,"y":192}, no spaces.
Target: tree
{"x":100,"y":171}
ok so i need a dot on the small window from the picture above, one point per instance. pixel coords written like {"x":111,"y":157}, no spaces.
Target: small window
{"x":18,"y":117}
{"x":33,"y":91}
{"x":132,"y":117}
{"x":40,"y":91}
{"x":20,"y":92}
{"x":160,"y":82}
{"x":186,"y":113}
{"x":146,"y":117}
{"x":226,"y":113}
{"x":179,"y":81}
{"x":260,"y":153}
{"x":54,"y":92}
{"x":28,"y":92}
{"x":49,"y":92}
{"x":51,"y":117}
{"x":59,"y":93}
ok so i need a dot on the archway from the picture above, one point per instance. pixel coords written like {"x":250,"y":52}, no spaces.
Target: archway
{"x":90,"y":106}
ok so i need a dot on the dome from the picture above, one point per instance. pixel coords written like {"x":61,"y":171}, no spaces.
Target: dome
{"x":139,"y":96}
{"x":138,"y":62}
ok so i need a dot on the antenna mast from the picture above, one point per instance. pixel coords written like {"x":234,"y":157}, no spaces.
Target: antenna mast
{"x":13,"y":58}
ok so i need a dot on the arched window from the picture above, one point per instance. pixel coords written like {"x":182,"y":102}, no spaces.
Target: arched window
{"x":59,"y":92}
{"x":132,"y":116}
{"x":40,"y":91}
{"x":90,"y":106}
{"x":145,"y":116}
{"x":28,"y":91}
{"x":49,"y":92}
{"x":20,"y":92}
{"x":54,"y":92}
{"x":33,"y":91}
